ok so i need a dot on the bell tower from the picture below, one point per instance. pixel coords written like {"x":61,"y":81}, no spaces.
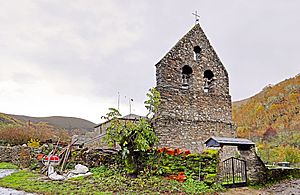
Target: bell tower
{"x":194,"y":88}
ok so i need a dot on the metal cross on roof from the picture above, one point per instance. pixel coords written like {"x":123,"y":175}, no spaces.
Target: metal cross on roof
{"x":196,"y":17}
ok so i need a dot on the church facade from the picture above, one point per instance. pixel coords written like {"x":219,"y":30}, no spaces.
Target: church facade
{"x":195,"y":99}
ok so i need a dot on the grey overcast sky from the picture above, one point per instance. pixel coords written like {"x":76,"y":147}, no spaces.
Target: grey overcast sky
{"x":72,"y":57}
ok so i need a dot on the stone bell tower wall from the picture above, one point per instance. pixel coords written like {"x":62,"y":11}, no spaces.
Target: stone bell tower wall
{"x":188,"y":115}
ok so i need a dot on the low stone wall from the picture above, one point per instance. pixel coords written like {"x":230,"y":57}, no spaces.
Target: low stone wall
{"x":278,"y":174}
{"x":17,"y":155}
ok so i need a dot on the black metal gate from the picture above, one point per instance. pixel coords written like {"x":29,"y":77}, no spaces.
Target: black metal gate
{"x":234,"y":172}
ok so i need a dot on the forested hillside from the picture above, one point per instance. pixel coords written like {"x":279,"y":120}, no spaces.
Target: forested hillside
{"x":14,"y":131}
{"x":62,"y":122}
{"x":272,"y":119}
{"x":276,"y":106}
{"x":6,"y":120}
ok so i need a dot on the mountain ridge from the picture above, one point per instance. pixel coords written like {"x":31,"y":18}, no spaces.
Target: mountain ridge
{"x":63,"y":122}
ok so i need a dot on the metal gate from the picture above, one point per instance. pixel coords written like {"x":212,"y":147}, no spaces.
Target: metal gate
{"x":234,"y":172}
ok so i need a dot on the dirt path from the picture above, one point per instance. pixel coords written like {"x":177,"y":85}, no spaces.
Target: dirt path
{"x":291,"y":187}
{"x":9,"y":191}
{"x":287,"y":187}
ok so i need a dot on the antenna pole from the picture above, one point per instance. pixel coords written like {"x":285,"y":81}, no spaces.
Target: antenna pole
{"x":129,"y":106}
{"x":118,"y":101}
{"x":130,"y":100}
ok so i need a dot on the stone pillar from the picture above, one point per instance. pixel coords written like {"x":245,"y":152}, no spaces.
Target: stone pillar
{"x":256,"y":170}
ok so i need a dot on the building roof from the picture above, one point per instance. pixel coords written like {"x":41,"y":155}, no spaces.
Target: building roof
{"x":220,"y":141}
{"x":131,"y":117}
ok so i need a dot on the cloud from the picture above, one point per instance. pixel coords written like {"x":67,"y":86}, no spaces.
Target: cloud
{"x":73,"y":57}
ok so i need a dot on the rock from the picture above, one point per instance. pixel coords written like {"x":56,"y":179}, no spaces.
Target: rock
{"x":52,"y":174}
{"x":80,"y":169}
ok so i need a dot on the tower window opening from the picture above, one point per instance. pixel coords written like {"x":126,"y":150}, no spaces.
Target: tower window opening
{"x":208,"y":80}
{"x":197,"y":53}
{"x":186,"y":75}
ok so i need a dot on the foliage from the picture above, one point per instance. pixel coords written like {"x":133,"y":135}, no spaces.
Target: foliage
{"x":20,"y":134}
{"x":193,"y":186}
{"x":272,"y":119}
{"x":269,"y":133}
{"x":34,"y":143}
{"x":285,"y":146}
{"x":153,"y":102}
{"x":276,"y":106}
{"x":133,"y":137}
{"x":164,"y":164}
{"x":6,"y":165}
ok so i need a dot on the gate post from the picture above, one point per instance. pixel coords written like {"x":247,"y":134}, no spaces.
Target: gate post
{"x":245,"y":165}
{"x":232,"y":163}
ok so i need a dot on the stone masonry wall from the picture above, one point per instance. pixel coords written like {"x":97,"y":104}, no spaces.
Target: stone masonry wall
{"x":189,"y":116}
{"x":17,"y":155}
{"x":256,"y":170}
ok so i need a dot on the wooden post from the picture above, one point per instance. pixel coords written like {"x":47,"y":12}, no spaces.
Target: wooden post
{"x":67,"y":154}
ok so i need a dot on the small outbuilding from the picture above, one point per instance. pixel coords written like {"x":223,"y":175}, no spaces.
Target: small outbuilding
{"x":239,"y":162}
{"x":242,"y":144}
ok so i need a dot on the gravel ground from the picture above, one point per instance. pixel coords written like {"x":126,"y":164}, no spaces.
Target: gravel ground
{"x":8,"y":191}
{"x":291,"y":187}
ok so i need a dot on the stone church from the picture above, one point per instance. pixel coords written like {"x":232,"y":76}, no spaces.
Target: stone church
{"x":195,"y":99}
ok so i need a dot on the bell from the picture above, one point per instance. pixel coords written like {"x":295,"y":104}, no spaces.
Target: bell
{"x":206,"y":87}
{"x":185,"y":84}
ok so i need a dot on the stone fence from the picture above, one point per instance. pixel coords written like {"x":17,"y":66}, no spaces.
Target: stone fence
{"x":24,"y":156}
{"x":17,"y":155}
{"x":278,"y":174}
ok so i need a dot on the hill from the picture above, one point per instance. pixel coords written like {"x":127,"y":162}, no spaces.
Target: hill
{"x":276,"y":107}
{"x":69,"y":123}
{"x":272,"y":119}
{"x":8,"y":120}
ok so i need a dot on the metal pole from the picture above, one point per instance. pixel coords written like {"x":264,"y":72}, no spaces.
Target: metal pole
{"x":129,"y":106}
{"x":232,"y":170}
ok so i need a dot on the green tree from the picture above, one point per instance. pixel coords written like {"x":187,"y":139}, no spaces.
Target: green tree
{"x":152,"y":103}
{"x":133,"y":137}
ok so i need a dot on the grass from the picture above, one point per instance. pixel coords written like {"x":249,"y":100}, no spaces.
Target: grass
{"x":103,"y":181}
{"x":237,"y":179}
{"x":6,"y":165}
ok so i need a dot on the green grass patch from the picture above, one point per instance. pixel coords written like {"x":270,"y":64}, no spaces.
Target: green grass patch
{"x":104,"y":181}
{"x":6,"y":165}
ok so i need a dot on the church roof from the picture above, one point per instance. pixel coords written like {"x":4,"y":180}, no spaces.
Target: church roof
{"x":220,"y":141}
{"x":132,"y":117}
{"x":129,"y":117}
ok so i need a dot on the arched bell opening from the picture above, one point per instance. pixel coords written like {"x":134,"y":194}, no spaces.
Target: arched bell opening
{"x":209,"y":78}
{"x":197,"y":53}
{"x":186,"y":76}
